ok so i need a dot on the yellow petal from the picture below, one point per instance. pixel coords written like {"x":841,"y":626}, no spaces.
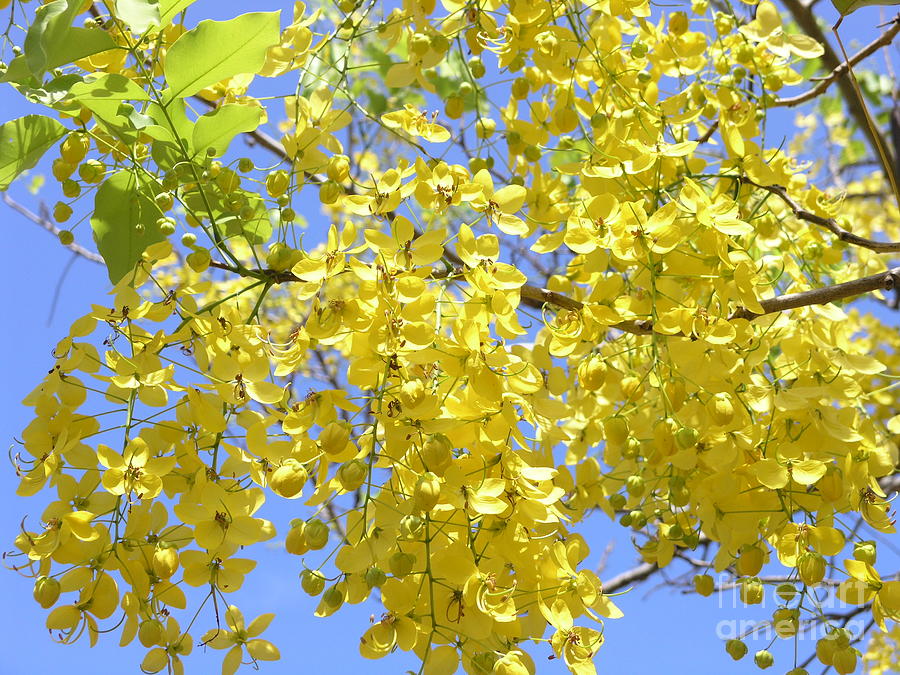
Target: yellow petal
{"x":265,"y":392}
{"x":770,"y":473}
{"x":510,"y":198}
{"x":263,"y":650}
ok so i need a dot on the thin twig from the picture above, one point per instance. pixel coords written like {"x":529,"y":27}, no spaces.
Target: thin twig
{"x":828,"y":223}
{"x":808,"y":23}
{"x":52,"y":228}
{"x":842,"y":69}
{"x":629,"y":577}
{"x":534,"y":296}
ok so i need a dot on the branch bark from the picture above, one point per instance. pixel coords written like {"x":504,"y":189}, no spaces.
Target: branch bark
{"x":806,"y":19}
{"x":629,"y":577}
{"x":841,"y":70}
{"x":534,"y":296}
{"x":829,"y":223}
{"x":50,"y":227}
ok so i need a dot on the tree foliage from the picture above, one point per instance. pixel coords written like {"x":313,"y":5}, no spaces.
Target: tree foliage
{"x":503,"y":266}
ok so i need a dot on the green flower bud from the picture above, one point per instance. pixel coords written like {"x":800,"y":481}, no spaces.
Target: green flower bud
{"x":46,"y":591}
{"x":763,"y":659}
{"x":312,"y":581}
{"x":736,"y":649}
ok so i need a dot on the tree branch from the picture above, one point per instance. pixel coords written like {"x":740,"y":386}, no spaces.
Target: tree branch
{"x":534,"y":296}
{"x":52,"y":228}
{"x":828,"y":223}
{"x":806,"y":19}
{"x":842,"y":68}
{"x":629,"y":577}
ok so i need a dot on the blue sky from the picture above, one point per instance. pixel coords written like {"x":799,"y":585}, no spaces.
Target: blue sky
{"x":663,"y":630}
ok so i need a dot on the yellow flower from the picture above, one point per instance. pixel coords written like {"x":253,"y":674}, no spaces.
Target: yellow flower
{"x":135,"y":470}
{"x":238,"y":637}
{"x":217,"y":568}
{"x":222,"y":518}
{"x":498,"y":205}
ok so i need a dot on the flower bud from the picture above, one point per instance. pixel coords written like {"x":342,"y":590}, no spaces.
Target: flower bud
{"x":277,"y":182}
{"x":288,"y":479}
{"x":764,"y":659}
{"x":295,"y":541}
{"x":46,"y":591}
{"x":592,"y":372}
{"x":634,"y":485}
{"x":686,"y":437}
{"x":333,"y":597}
{"x":786,"y":591}
{"x":736,"y":649}
{"x":811,"y":568}
{"x":485,"y":127}
{"x":400,"y":564}
{"x":865,"y":551}
{"x":704,"y":584}
{"x":61,"y":212}
{"x":427,"y":492}
{"x":638,"y":519}
{"x":632,"y":387}
{"x":352,"y":474}
{"x":334,"y":439}
{"x":165,"y":561}
{"x":752,"y":591}
{"x":437,"y":453}
{"x":750,"y":562}
{"x":720,"y":409}
{"x":316,"y":534}
{"x":844,"y":660}
{"x":375,"y":577}
{"x":510,"y":664}
{"x":412,"y":393}
{"x":786,"y":622}
{"x":312,"y":581}
{"x":338,"y":169}
{"x":411,"y":526}
{"x":678,"y":23}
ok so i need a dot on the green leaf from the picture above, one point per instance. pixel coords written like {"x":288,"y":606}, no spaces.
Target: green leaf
{"x":169,"y":8}
{"x":108,"y":87}
{"x":18,"y":72}
{"x":258,"y":229}
{"x":845,"y":7}
{"x":121,"y":203}
{"x":52,"y":41}
{"x":215,"y":50}
{"x":106,"y":97}
{"x":52,"y":93}
{"x":217,"y":129}
{"x":23,"y":142}
{"x":141,"y":15}
{"x":166,"y":150}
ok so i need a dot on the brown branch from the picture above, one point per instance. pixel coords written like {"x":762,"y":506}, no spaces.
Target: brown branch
{"x":842,"y":68}
{"x":884,"y":281}
{"x":806,"y":19}
{"x":534,"y":296}
{"x":828,"y":223}
{"x":629,"y":577}
{"x":708,"y":133}
{"x":52,"y":228}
